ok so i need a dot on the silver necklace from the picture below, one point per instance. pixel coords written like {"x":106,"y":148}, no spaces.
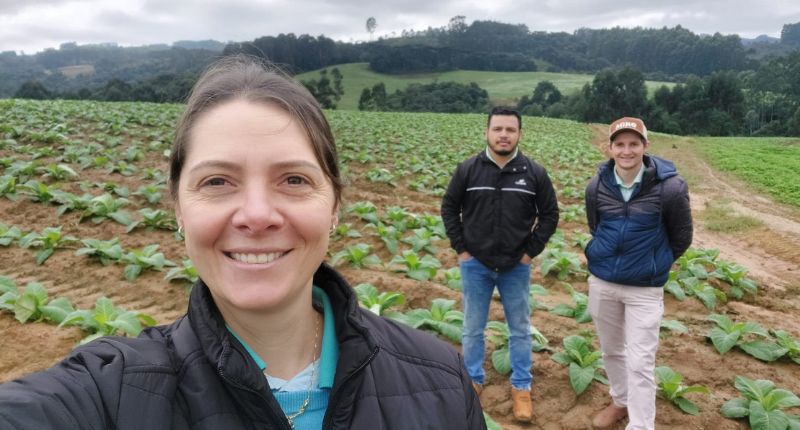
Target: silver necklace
{"x":304,"y":405}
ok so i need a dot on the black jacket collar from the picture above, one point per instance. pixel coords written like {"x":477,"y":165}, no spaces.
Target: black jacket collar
{"x":233,"y":362}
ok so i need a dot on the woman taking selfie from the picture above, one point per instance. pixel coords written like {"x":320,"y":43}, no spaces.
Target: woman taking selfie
{"x":273,"y":337}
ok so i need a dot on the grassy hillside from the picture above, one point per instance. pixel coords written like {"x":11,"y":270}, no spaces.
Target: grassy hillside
{"x":769,"y":164}
{"x":502,"y":86}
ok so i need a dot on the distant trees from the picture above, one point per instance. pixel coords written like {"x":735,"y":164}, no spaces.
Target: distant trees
{"x":373,"y":99}
{"x":611,"y":94}
{"x":772,"y":96}
{"x":714,"y":105}
{"x":451,"y":97}
{"x":161,"y":89}
{"x":327,"y":94}
{"x":790,"y":34}
{"x":33,"y":90}
{"x":490,"y":45}
{"x":299,"y":54}
{"x":544,"y":96}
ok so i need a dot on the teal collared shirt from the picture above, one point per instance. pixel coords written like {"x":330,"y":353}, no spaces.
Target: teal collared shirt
{"x":330,"y":345}
{"x":625,"y":190}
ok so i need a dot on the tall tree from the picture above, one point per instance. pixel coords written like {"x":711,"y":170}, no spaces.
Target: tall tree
{"x":371,"y":25}
{"x":790,"y":34}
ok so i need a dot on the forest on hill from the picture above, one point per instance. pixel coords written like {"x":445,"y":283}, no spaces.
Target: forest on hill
{"x":727,"y":86}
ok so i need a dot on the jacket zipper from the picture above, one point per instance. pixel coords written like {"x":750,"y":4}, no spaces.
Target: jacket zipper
{"x":621,"y":242}
{"x":326,"y":421}
{"x":282,"y":423}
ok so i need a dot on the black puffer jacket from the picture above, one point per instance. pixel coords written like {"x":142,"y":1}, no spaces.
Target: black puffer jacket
{"x":499,"y":214}
{"x":193,"y":374}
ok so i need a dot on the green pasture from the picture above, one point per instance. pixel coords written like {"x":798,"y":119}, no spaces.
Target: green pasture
{"x":502,"y":86}
{"x":770,"y":165}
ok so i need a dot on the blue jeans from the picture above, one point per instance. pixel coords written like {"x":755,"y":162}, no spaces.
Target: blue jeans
{"x":478,"y":283}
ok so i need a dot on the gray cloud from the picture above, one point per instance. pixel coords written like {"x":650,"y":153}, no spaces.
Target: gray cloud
{"x":36,"y":24}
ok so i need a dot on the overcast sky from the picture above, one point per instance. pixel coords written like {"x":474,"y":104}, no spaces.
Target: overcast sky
{"x":33,"y":25}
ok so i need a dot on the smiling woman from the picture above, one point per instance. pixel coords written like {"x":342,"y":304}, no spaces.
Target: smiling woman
{"x":273,"y":338}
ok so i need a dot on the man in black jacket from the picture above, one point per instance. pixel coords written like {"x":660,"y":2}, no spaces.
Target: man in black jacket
{"x":500,"y":210}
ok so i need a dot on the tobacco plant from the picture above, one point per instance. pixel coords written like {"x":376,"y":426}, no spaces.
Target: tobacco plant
{"x":533,"y":302}
{"x":421,"y":269}
{"x":365,"y":210}
{"x":107,"y":251}
{"x":345,"y":230}
{"x":9,"y":234}
{"x":381,"y":175}
{"x":32,"y":304}
{"x":580,"y":239}
{"x":123,"y":168}
{"x":670,"y":387}
{"x":107,"y":320}
{"x":378,"y":303}
{"x":146,"y":258}
{"x":499,"y":335}
{"x":400,"y":218}
{"x":734,"y":275}
{"x":585,"y":365}
{"x":59,"y":172}
{"x":763,"y":405}
{"x":105,"y":207}
{"x":153,"y":219}
{"x":786,"y":341}
{"x":358,"y":255}
{"x":388,"y":234}
{"x":422,"y":239}
{"x":37,"y":191}
{"x":671,"y":326}
{"x":151,"y":193}
{"x":441,"y":318}
{"x":23,"y":170}
{"x":69,"y":202}
{"x":46,"y":242}
{"x":186,"y":272}
{"x":580,"y":312}
{"x":452,"y":277}
{"x":563,"y":263}
{"x":728,"y":334}
{"x":8,"y":187}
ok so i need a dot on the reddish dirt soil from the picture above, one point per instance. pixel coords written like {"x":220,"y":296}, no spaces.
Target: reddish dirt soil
{"x":771,"y":252}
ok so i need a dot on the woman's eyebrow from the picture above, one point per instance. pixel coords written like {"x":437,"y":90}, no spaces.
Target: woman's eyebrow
{"x":216,"y":164}
{"x":227,"y":165}
{"x":297,"y":163}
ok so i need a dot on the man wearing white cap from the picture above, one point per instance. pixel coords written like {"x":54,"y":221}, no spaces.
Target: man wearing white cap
{"x":638,"y":212}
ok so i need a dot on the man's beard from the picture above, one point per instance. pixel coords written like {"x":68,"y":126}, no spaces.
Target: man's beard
{"x":501,"y":152}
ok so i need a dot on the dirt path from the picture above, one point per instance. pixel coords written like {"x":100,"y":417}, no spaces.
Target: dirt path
{"x":771,"y":251}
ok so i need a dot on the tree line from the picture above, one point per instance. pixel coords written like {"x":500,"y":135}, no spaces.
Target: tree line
{"x":764,"y":102}
{"x":722,"y":89}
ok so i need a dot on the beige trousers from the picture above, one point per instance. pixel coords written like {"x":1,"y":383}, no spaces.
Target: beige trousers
{"x":628,"y":319}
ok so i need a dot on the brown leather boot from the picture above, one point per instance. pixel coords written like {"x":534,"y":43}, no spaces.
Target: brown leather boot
{"x":609,"y":416}
{"x":522,"y":405}
{"x":477,"y":387}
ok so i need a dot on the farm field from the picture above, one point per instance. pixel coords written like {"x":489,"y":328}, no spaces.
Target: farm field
{"x":98,"y":171}
{"x":770,"y":164}
{"x":501,"y":86}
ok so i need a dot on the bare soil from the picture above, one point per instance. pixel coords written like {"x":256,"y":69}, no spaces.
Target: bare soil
{"x":771,"y":252}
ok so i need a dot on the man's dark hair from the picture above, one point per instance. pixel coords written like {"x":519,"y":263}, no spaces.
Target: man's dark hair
{"x":504,"y":110}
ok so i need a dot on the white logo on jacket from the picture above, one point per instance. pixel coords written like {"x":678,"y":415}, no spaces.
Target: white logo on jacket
{"x":520,"y":182}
